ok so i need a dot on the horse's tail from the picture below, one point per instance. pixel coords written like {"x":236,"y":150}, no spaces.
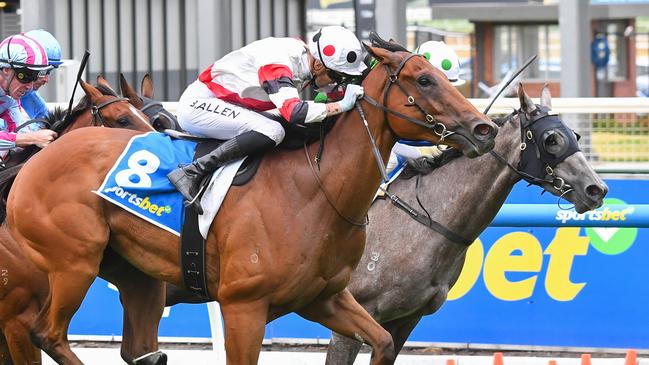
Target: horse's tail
{"x":7,"y":177}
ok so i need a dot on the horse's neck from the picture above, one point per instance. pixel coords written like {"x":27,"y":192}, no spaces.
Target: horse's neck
{"x":348,"y":170}
{"x":465,"y":194}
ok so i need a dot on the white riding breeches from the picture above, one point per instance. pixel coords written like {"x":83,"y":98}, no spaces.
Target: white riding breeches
{"x":202,"y":114}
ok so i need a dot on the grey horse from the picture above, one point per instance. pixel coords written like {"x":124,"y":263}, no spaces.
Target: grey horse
{"x":399,"y":249}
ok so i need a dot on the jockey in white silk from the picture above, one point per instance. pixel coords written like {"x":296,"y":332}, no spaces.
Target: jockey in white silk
{"x":266,"y":74}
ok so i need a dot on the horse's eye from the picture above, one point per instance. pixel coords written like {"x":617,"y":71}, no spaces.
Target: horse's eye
{"x":554,"y":143}
{"x":123,"y":122}
{"x":424,"y":81}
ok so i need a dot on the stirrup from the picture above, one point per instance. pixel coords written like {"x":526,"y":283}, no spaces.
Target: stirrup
{"x":195,"y":203}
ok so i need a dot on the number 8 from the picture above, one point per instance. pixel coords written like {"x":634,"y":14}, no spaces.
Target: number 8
{"x":142,"y":171}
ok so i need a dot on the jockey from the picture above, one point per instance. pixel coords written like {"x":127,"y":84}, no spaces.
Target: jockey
{"x":444,"y":58}
{"x":32,"y":102}
{"x":266,"y":74}
{"x":22,"y":62}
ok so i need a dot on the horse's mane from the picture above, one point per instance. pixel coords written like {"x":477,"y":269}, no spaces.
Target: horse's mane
{"x":391,"y":46}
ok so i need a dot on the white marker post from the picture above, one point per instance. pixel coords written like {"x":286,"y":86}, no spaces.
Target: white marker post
{"x":216,"y":328}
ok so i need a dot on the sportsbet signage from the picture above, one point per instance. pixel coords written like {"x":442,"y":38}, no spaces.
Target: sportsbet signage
{"x":547,"y":286}
{"x":522,"y":252}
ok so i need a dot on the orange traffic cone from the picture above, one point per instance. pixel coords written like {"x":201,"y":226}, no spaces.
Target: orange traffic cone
{"x":498,"y":358}
{"x":552,"y":362}
{"x":450,"y":362}
{"x":631,"y":357}
{"x":585,"y":359}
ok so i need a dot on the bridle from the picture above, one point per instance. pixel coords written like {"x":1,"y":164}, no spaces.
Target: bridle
{"x":429,"y":123}
{"x":531,"y":157}
{"x":527,"y":154}
{"x":95,"y":111}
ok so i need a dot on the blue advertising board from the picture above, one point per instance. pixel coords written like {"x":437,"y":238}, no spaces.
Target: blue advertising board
{"x":561,"y":286}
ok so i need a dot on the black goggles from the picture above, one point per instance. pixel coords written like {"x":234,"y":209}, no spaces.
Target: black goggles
{"x":26,"y":75}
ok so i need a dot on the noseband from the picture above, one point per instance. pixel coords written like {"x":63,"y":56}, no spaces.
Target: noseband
{"x":430,"y":123}
{"x":95,"y":110}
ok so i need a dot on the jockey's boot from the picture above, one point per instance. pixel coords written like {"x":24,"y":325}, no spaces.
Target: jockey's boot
{"x":188,"y":178}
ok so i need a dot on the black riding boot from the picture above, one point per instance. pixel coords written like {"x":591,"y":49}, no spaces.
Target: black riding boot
{"x":187,"y":179}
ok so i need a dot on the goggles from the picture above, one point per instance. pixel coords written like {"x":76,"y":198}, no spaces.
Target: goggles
{"x":26,"y":75}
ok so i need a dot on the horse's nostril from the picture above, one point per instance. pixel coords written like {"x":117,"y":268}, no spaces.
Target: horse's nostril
{"x":594,"y":190}
{"x":482,"y":129}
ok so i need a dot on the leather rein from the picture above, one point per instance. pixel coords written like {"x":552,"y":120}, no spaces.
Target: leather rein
{"x":430,"y":123}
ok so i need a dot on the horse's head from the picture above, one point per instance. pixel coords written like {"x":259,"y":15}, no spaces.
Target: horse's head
{"x":104,"y":109}
{"x":160,"y":117}
{"x":424,"y":105}
{"x":551,"y":155}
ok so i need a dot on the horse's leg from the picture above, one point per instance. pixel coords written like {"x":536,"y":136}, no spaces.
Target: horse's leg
{"x":5,"y":358}
{"x":341,"y":313}
{"x":400,"y":330}
{"x":244,"y":325}
{"x":68,"y":287}
{"x":342,"y":350}
{"x":143,"y":300}
{"x":20,"y":347}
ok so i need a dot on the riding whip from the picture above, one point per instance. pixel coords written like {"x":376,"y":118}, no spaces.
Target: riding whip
{"x":529,"y":61}
{"x":82,"y":67}
{"x":375,"y":150}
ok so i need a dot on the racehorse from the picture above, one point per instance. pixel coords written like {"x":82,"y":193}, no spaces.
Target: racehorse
{"x":23,"y":288}
{"x":262,"y":261}
{"x":408,"y":268}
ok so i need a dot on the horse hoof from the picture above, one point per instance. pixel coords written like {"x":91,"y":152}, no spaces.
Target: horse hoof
{"x":152,"y":358}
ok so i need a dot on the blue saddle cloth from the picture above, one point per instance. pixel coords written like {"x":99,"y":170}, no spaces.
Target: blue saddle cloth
{"x":138,"y":180}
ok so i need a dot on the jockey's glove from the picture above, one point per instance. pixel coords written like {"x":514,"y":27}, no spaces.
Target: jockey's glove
{"x":352,"y":93}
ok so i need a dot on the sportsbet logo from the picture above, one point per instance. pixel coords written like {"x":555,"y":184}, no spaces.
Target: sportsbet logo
{"x":520,"y":255}
{"x":141,"y":164}
{"x":135,"y":200}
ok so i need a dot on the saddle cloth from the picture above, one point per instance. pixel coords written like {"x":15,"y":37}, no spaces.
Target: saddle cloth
{"x":138,"y":182}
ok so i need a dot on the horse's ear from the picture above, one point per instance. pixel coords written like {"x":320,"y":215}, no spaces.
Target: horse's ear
{"x":546,"y":97}
{"x":90,"y":90}
{"x":527,"y":105}
{"x":147,"y":86}
{"x":129,"y":92}
{"x":382,"y":55}
{"x":102,"y":81}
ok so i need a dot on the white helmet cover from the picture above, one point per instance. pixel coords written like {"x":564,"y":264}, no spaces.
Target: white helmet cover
{"x":443,"y":58}
{"x":338,"y":49}
{"x":22,"y":51}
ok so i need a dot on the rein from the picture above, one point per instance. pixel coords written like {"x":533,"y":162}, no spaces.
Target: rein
{"x":429,"y":124}
{"x":556,"y":182}
{"x":95,"y":110}
{"x":329,"y":200}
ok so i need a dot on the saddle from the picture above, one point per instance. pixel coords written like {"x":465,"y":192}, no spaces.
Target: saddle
{"x":192,"y":245}
{"x":296,"y":135}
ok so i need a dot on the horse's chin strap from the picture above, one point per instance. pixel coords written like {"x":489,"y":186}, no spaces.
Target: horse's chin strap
{"x":95,"y":110}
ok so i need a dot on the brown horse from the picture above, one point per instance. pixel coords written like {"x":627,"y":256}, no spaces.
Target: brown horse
{"x":263,"y":259}
{"x":23,"y":288}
